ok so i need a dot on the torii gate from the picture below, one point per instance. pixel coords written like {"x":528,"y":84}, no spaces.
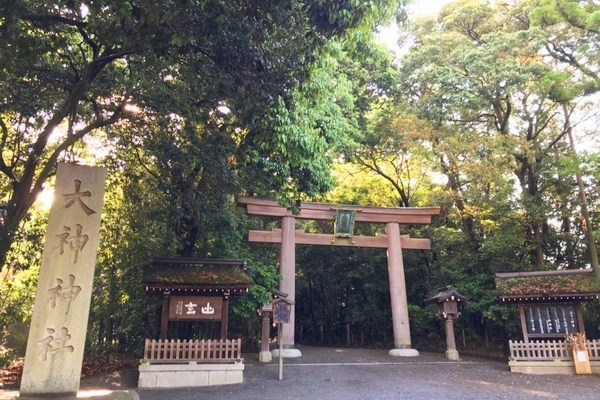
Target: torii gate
{"x":288,"y":236}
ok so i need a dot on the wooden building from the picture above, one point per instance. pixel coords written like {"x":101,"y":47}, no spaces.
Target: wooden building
{"x":549,"y":304}
{"x":193,"y":289}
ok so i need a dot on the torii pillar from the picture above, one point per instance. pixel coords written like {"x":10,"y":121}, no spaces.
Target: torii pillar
{"x":398,"y":296}
{"x":288,"y":237}
{"x":287,"y":267}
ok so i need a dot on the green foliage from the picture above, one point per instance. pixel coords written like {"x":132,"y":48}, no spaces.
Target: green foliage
{"x":18,"y":277}
{"x":84,"y":66}
{"x":571,"y":29}
{"x":192,"y":104}
{"x":338,"y":285}
{"x":354,"y":185}
{"x":265,"y":278}
{"x":7,"y":357}
{"x":424,"y":324}
{"x":296,"y":156}
{"x":16,"y":339}
{"x":17,"y":290}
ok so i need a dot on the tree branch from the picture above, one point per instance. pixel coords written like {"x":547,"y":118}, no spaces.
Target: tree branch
{"x":49,"y":165}
{"x":8,"y":171}
{"x":51,"y":19}
{"x":573,"y":21}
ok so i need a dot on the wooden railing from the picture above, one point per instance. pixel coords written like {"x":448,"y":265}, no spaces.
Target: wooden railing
{"x":550,"y":350}
{"x":201,"y":351}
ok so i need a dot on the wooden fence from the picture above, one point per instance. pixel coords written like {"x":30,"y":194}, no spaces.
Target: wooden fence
{"x":202,"y":351}
{"x":549,"y":350}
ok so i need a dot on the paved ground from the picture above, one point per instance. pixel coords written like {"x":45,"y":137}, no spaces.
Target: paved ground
{"x":330,"y":373}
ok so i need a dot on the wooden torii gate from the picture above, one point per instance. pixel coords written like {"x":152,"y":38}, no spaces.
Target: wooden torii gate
{"x":288,"y":237}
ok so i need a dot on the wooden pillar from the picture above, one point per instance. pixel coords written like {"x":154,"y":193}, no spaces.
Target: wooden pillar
{"x":164,"y":319}
{"x":450,"y":339}
{"x":523,"y":322}
{"x":348,"y":333}
{"x":225,"y":318}
{"x":265,"y":338}
{"x":287,"y":266}
{"x":451,"y":352}
{"x":321,"y":329}
{"x":400,"y":320}
{"x":579,"y":313}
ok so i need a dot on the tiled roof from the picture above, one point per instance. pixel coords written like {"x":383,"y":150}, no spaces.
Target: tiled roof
{"x":447,"y":293}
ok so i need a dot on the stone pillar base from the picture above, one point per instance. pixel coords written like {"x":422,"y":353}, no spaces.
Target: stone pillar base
{"x":452,"y":354}
{"x":403,"y":353}
{"x":110,"y":395}
{"x":287,"y":353}
{"x":189,"y":374}
{"x":265,"y":356}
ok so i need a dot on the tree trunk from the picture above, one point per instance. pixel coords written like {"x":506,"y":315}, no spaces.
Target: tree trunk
{"x":468,"y":222}
{"x":565,"y":228}
{"x":5,"y":243}
{"x":538,"y":251}
{"x":589,"y":232}
{"x":8,"y":229}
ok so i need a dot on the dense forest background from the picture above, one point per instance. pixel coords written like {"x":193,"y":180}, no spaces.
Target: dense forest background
{"x":489,"y":111}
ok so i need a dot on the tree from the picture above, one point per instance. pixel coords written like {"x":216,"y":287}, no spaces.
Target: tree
{"x":491,"y":90}
{"x":388,"y":151}
{"x":72,"y":67}
{"x":480,"y":77}
{"x":572,"y":29}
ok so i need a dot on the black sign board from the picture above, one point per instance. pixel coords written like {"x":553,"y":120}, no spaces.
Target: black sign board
{"x":551,"y":319}
{"x":281,"y":312}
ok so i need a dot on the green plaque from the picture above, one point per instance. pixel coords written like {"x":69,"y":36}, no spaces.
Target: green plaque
{"x":344,"y":223}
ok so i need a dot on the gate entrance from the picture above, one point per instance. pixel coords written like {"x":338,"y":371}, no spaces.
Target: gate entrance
{"x":288,"y":237}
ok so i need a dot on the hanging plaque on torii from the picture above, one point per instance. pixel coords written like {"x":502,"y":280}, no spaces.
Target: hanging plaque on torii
{"x":344,"y":224}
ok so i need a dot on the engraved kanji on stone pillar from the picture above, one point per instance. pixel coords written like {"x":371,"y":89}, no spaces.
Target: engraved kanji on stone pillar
{"x":53,"y":343}
{"x":59,"y":324}
{"x":65,"y":293}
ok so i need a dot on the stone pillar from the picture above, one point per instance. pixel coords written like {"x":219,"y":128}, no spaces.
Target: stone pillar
{"x":58,"y":329}
{"x":287,"y":266}
{"x":451,"y":352}
{"x":265,"y":338}
{"x":400,"y":320}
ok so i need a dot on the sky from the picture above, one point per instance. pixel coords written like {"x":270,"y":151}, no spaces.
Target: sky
{"x":427,"y":7}
{"x":419,"y":8}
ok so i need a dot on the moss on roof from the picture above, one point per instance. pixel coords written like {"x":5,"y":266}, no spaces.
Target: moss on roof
{"x":575,"y":283}
{"x":198,"y":272}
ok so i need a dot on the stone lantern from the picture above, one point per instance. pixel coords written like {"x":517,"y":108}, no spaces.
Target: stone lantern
{"x":447,"y":300}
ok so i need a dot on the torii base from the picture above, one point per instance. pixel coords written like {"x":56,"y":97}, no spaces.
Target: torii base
{"x":287,"y":353}
{"x":403,"y":353}
{"x":265,"y":356}
{"x":452,"y":354}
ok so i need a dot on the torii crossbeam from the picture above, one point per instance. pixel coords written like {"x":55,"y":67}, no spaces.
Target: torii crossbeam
{"x":288,"y":237}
